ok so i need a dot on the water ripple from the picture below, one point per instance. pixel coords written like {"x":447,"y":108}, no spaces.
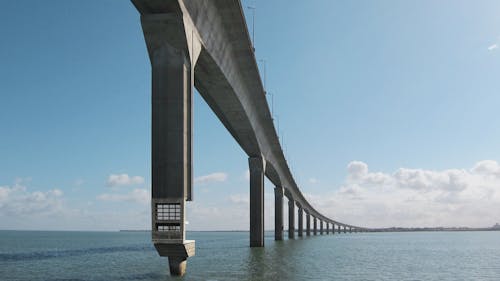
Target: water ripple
{"x":69,"y":253}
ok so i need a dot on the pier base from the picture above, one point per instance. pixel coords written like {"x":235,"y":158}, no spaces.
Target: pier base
{"x":177,"y":265}
{"x":177,"y":254}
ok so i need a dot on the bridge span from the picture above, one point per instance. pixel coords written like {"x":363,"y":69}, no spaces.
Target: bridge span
{"x":206,"y":44}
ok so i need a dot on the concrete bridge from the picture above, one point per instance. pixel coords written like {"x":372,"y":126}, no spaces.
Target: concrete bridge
{"x":206,"y":44}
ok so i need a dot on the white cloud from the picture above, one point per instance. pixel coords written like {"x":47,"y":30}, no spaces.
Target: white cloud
{"x":313,"y":180}
{"x":493,"y":47}
{"x":18,"y":201}
{"x":123,"y":179}
{"x":211,"y":178}
{"x":138,"y":195}
{"x":416,"y":197}
{"x":239,"y":198}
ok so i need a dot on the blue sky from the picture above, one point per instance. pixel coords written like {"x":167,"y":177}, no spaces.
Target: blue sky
{"x":406,"y":88}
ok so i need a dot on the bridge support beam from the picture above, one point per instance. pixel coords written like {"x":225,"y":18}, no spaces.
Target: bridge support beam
{"x":333,"y":228}
{"x":172,"y":56}
{"x":338,"y":229}
{"x":257,"y":168}
{"x":315,"y":226}
{"x":345,"y":229}
{"x":300,"y":222}
{"x":291,"y":219}
{"x":327,"y":228}
{"x":278,"y":213}
{"x":308,"y":224}
{"x":321,"y":227}
{"x":350,"y":229}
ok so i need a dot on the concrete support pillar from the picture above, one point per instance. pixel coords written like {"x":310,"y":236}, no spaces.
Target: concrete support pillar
{"x":338,"y":228}
{"x":350,"y":229}
{"x":257,"y":168}
{"x":308,"y":224}
{"x":345,"y":229}
{"x":333,"y":228}
{"x":327,"y":228}
{"x":278,"y":213}
{"x":315,"y":226}
{"x":291,"y":219}
{"x":172,"y":56}
{"x":321,"y":227}
{"x":300,"y":222}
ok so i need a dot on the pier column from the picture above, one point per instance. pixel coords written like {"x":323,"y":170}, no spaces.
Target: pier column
{"x":327,"y":228}
{"x":333,"y":228}
{"x":173,"y":56}
{"x":350,"y":229}
{"x":278,"y":213}
{"x":291,"y":219}
{"x":257,"y":168}
{"x":308,"y":224}
{"x":321,"y":227}
{"x":301,"y":222}
{"x":338,"y":228}
{"x":345,"y":229}
{"x":315,"y":226}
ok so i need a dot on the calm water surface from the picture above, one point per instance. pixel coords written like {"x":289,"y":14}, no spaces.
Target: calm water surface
{"x":108,"y":256}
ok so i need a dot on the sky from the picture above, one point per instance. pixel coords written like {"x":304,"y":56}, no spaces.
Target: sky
{"x":387,"y":110}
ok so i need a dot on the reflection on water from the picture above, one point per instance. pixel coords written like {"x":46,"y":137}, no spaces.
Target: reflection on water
{"x":226,"y":256}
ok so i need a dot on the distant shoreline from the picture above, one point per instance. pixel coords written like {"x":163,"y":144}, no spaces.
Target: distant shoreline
{"x":390,"y":229}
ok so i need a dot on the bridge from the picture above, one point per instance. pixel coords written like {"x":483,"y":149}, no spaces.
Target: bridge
{"x":206,"y":44}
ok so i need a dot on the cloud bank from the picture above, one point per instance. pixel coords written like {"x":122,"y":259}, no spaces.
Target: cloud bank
{"x":416,"y":197}
{"x":123,"y":179}
{"x":211,"y":178}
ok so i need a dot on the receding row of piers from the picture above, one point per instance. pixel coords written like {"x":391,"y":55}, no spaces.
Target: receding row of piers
{"x":257,"y":173}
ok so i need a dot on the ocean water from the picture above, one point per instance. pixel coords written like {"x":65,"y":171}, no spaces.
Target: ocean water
{"x":108,"y":256}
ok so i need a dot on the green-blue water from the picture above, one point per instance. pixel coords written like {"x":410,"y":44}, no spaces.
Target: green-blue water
{"x":108,"y":256}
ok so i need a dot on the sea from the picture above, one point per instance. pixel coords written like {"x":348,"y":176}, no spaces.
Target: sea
{"x":109,"y":256}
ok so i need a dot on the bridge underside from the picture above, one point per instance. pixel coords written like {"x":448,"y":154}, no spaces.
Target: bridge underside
{"x":206,"y":44}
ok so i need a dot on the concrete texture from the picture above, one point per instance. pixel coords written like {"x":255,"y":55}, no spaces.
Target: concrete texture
{"x":291,"y":219}
{"x":256,"y":167}
{"x":308,"y":224}
{"x":300,"y":230}
{"x":278,"y":213}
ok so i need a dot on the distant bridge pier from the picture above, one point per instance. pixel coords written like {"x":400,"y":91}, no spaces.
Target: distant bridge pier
{"x":308,"y":224}
{"x":338,"y":229}
{"x":300,"y":222}
{"x":315,"y":226}
{"x":291,"y":218}
{"x":327,"y":228}
{"x":321,"y":227}
{"x":345,"y":231}
{"x":278,"y":213}
{"x":350,"y":229}
{"x":257,"y":168}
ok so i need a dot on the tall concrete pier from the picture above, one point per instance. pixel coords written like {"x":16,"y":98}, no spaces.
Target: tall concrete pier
{"x":291,"y":219}
{"x":308,"y":224}
{"x":256,"y":167}
{"x":278,"y":213}
{"x":300,"y":222}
